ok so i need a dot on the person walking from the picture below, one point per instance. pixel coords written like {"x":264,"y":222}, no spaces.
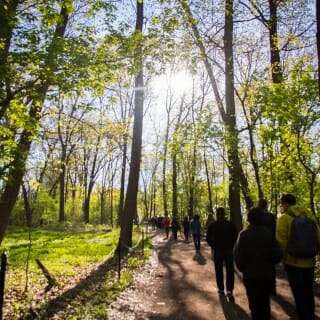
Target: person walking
{"x":270,"y":223}
{"x":166,"y":225}
{"x":256,"y":252}
{"x":299,"y":270}
{"x":186,"y":228}
{"x":195,"y":226}
{"x":221,"y":237}
{"x":175,"y":227}
{"x":209,"y":220}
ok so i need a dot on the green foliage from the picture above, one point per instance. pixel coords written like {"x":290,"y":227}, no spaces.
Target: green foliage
{"x":288,"y":115}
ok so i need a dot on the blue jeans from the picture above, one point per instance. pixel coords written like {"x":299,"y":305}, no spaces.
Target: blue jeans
{"x":220,"y":259}
{"x":301,"y":283}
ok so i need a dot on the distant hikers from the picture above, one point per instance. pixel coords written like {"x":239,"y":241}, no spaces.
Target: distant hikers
{"x":175,"y":227}
{"x":186,"y":228}
{"x":166,"y":225}
{"x":195,"y":226}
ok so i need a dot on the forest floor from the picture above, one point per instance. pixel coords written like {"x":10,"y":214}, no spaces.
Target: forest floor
{"x":178,"y":283}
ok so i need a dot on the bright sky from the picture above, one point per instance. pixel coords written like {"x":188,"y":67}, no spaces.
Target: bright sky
{"x":180,"y":83}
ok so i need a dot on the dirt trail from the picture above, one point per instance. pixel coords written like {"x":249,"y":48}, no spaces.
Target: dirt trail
{"x":178,"y":284}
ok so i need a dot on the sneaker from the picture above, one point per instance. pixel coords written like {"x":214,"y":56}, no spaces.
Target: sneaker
{"x":230,"y":296}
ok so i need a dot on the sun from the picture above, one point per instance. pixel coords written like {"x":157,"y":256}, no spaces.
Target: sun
{"x":176,"y":83}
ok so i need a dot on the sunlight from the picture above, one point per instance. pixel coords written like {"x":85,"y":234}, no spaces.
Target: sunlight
{"x":178,"y":83}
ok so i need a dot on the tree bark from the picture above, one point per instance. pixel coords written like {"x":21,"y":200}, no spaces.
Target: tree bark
{"x":130,"y":206}
{"x":318,"y":40}
{"x":123,"y":177}
{"x":8,"y":17}
{"x":275,"y":61}
{"x":233,"y":142}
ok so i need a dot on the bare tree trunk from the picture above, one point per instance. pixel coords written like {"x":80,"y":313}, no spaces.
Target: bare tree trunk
{"x":276,"y":67}
{"x":164,"y":169}
{"x":174,"y":185}
{"x":130,"y":206}
{"x":27,"y":206}
{"x":123,"y":177}
{"x":192,"y":181}
{"x":62,"y":178}
{"x":233,"y":157}
{"x":210,"y":205}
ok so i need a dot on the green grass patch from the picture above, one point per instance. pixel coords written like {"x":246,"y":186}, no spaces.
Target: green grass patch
{"x":63,"y":253}
{"x":70,"y":257}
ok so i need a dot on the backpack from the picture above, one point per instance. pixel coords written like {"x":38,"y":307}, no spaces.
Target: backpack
{"x":303,"y":240}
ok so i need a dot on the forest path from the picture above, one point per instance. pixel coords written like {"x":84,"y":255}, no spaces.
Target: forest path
{"x":179,"y":284}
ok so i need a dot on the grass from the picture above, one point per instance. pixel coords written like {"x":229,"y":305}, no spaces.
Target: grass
{"x":71,"y":258}
{"x":61,"y":252}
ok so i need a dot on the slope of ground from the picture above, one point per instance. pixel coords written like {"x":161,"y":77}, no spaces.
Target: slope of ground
{"x":177,"y":283}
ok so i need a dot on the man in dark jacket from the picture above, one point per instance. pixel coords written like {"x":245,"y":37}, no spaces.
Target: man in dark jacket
{"x":270,"y":223}
{"x":221,"y":236}
{"x":256,"y":252}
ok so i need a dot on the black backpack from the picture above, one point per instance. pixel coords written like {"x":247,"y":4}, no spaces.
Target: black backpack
{"x":303,"y":240}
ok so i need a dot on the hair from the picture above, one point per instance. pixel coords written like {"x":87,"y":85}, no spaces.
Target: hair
{"x":196,"y":217}
{"x":262,"y":203}
{"x":289,"y":199}
{"x":221,"y":212}
{"x":256,"y":216}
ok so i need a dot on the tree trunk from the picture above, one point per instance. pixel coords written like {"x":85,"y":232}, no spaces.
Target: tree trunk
{"x":192,"y":182}
{"x":318,"y":40}
{"x":123,"y":177}
{"x":8,"y":16}
{"x":27,"y":206}
{"x":164,"y":169}
{"x":233,"y":142}
{"x":62,"y":191}
{"x":276,"y":67}
{"x":210,"y":205}
{"x":174,"y":185}
{"x":130,"y":206}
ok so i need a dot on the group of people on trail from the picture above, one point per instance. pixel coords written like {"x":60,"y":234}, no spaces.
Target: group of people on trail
{"x":257,"y":249}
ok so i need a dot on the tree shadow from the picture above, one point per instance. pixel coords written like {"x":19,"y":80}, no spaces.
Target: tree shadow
{"x":231,"y":310}
{"x":179,"y":283}
{"x":286,"y":306}
{"x":200,"y":258}
{"x":96,"y":277}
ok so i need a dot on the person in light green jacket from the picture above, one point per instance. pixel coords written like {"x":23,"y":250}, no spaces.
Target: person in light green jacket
{"x":300,"y":271}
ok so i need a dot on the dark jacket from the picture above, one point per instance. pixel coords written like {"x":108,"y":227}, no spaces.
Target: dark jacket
{"x":270,"y":221}
{"x":175,"y":225}
{"x":221,"y":235}
{"x":186,"y":225}
{"x":256,"y":252}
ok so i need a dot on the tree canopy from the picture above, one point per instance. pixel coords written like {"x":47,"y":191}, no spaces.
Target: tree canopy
{"x":97,"y":127}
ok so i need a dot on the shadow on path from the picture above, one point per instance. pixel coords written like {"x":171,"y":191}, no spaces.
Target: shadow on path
{"x":231,"y":310}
